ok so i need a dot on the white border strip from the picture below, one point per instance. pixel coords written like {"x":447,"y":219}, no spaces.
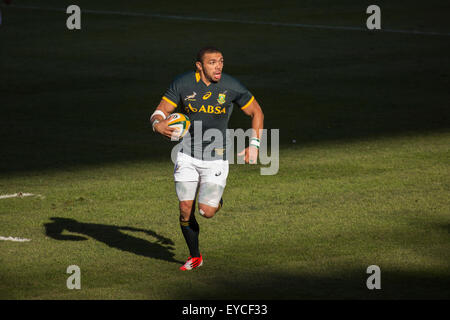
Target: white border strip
{"x":14,"y":239}
{"x":203,"y":19}
{"x":16,"y":195}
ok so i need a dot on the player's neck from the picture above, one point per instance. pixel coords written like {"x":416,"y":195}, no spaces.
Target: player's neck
{"x":204,"y":79}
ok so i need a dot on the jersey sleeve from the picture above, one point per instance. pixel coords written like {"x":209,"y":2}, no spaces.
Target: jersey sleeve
{"x":172,"y":94}
{"x":243,"y":97}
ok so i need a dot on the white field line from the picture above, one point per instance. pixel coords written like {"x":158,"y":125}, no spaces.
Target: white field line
{"x":16,"y":195}
{"x":14,"y":239}
{"x":203,"y":19}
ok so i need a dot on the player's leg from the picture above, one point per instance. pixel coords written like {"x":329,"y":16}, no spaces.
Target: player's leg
{"x":213,"y":179}
{"x":186,"y":192}
{"x":210,"y":199}
{"x":188,"y":224}
{"x":186,"y":186}
{"x":186,"y":207}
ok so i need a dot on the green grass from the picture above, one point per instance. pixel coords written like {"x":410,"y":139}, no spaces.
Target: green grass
{"x":366,"y":183}
{"x":332,"y":211}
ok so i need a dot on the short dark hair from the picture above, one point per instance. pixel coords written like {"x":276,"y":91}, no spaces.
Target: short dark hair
{"x":206,"y":50}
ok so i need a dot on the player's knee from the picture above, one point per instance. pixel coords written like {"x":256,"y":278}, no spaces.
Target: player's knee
{"x":206,"y":211}
{"x":185,"y":209}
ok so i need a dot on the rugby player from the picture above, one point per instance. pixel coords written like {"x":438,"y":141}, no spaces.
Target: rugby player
{"x":206,"y":95}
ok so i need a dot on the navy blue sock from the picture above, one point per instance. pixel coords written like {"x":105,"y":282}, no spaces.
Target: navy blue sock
{"x":191,"y":230}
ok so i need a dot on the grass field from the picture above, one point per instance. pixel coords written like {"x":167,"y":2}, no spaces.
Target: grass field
{"x":366,"y":183}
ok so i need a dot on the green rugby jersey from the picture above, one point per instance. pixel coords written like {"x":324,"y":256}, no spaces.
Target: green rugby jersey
{"x":208,"y":107}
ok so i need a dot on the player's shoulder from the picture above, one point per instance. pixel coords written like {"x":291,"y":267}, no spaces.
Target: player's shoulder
{"x":229,"y":80}
{"x":232,"y":83}
{"x":185,"y":78}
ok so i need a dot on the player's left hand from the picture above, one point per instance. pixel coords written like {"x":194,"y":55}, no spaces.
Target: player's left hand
{"x":250,"y":154}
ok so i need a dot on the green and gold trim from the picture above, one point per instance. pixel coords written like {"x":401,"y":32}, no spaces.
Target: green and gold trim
{"x":248,"y":103}
{"x":169,"y":101}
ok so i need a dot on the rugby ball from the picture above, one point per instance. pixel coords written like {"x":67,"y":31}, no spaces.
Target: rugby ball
{"x":181,"y":122}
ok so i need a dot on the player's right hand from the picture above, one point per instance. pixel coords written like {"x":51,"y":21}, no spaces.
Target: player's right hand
{"x":250,"y":154}
{"x":163,"y":128}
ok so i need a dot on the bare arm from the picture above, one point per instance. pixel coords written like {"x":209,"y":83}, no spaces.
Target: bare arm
{"x":255,"y":112}
{"x":162,"y":127}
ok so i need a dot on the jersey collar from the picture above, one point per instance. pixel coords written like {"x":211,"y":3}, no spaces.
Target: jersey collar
{"x":197,"y":76}
{"x":198,"y":79}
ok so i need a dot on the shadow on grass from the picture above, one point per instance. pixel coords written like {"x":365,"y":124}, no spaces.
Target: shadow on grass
{"x":113,"y":237}
{"x":344,"y":284}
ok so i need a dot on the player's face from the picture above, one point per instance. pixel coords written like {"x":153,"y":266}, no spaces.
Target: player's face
{"x":212,"y":66}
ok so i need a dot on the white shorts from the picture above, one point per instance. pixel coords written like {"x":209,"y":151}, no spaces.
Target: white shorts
{"x":191,"y":169}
